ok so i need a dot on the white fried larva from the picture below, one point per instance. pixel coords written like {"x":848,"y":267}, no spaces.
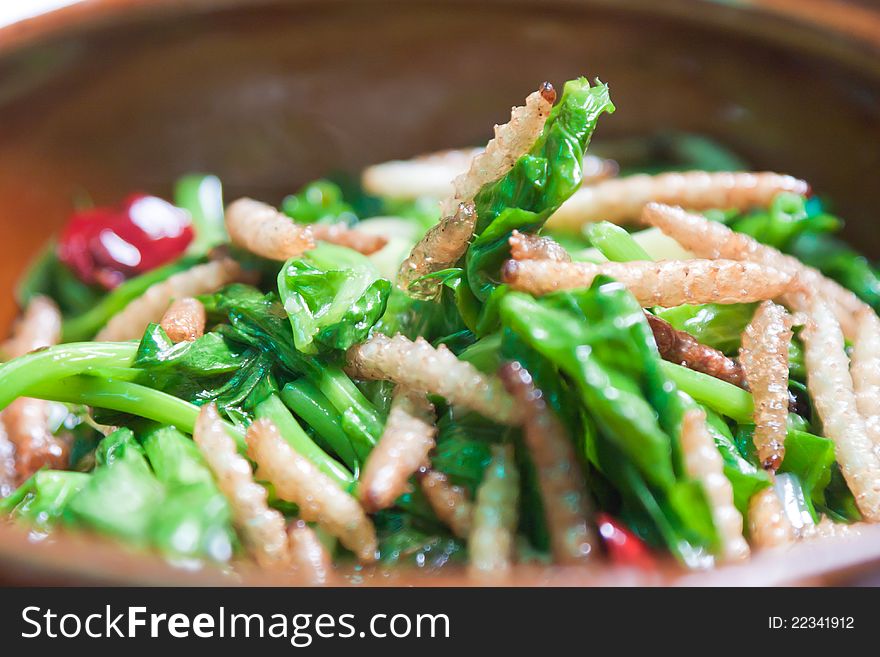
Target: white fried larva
{"x":566,"y":502}
{"x":764,"y":358}
{"x":831,"y":388}
{"x":527,"y":246}
{"x":311,"y":561}
{"x":428,"y":175}
{"x":27,"y":443}
{"x":621,"y":199}
{"x":39,"y":326}
{"x":491,"y":541}
{"x":703,"y":462}
{"x":431,"y":175}
{"x":865,"y":370}
{"x":402,"y":449}
{"x":261,"y":229}
{"x":827,"y":528}
{"x":262,"y":529}
{"x":511,"y":141}
{"x":663,"y":283}
{"x":769,"y":526}
{"x":446,"y":242}
{"x":341,"y":234}
{"x":439,"y":249}
{"x":27,"y":427}
{"x":450,"y":502}
{"x":319,"y":498}
{"x":131,"y":322}
{"x":184,"y":321}
{"x":435,"y":370}
{"x":712,"y":239}
{"x":8,"y":475}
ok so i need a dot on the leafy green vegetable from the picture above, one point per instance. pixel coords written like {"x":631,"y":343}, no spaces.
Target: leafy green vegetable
{"x":258,"y":320}
{"x":119,"y":497}
{"x":18,"y":376}
{"x":333,"y":297}
{"x":717,"y":325}
{"x":42,"y":499}
{"x":312,"y":406}
{"x":600,"y":341}
{"x":537,"y":185}
{"x":273,"y":409}
{"x":194,"y":518}
{"x":320,"y":201}
{"x":614,"y":242}
{"x":202,"y":196}
{"x":785,"y":219}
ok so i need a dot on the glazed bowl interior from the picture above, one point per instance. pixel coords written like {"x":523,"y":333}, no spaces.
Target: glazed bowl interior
{"x":122,"y":96}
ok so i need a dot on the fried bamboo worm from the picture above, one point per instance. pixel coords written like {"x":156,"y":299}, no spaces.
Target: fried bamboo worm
{"x":8,"y":474}
{"x":431,"y":175}
{"x":402,"y":449}
{"x":428,"y":175}
{"x":769,"y":527}
{"x":831,"y":387}
{"x":563,"y":489}
{"x":446,"y":242}
{"x":526,"y":246}
{"x":664,"y":283}
{"x":308,"y":556}
{"x":439,"y":249}
{"x":262,"y":529}
{"x":511,"y":141}
{"x":261,"y":229}
{"x":433,"y":370}
{"x":711,"y":239}
{"x":865,"y":370}
{"x":131,"y":322}
{"x":184,"y":321}
{"x":342,"y":235}
{"x":318,"y":497}
{"x":764,"y":359}
{"x":621,"y":199}
{"x":827,"y":528}
{"x":703,"y":462}
{"x":682,"y":348}
{"x":491,"y":540}
{"x":449,"y":502}
{"x":28,"y":441}
{"x":38,"y":327}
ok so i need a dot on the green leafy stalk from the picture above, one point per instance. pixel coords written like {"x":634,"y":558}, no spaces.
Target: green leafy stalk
{"x":720,"y":396}
{"x":614,"y":242}
{"x":274,"y":410}
{"x":202,"y":196}
{"x":24,"y":373}
{"x":310,"y":404}
{"x":126,"y":397}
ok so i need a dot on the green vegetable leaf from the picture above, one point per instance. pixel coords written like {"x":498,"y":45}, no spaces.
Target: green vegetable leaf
{"x":333,"y":296}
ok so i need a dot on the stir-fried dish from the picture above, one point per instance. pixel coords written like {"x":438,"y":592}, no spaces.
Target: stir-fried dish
{"x":519,"y":353}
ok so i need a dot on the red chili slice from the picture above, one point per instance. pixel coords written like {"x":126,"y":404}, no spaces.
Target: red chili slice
{"x":110,"y":244}
{"x":623,"y":546}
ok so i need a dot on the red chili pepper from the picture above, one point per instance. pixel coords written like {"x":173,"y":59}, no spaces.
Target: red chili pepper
{"x":110,"y":244}
{"x":623,"y":546}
